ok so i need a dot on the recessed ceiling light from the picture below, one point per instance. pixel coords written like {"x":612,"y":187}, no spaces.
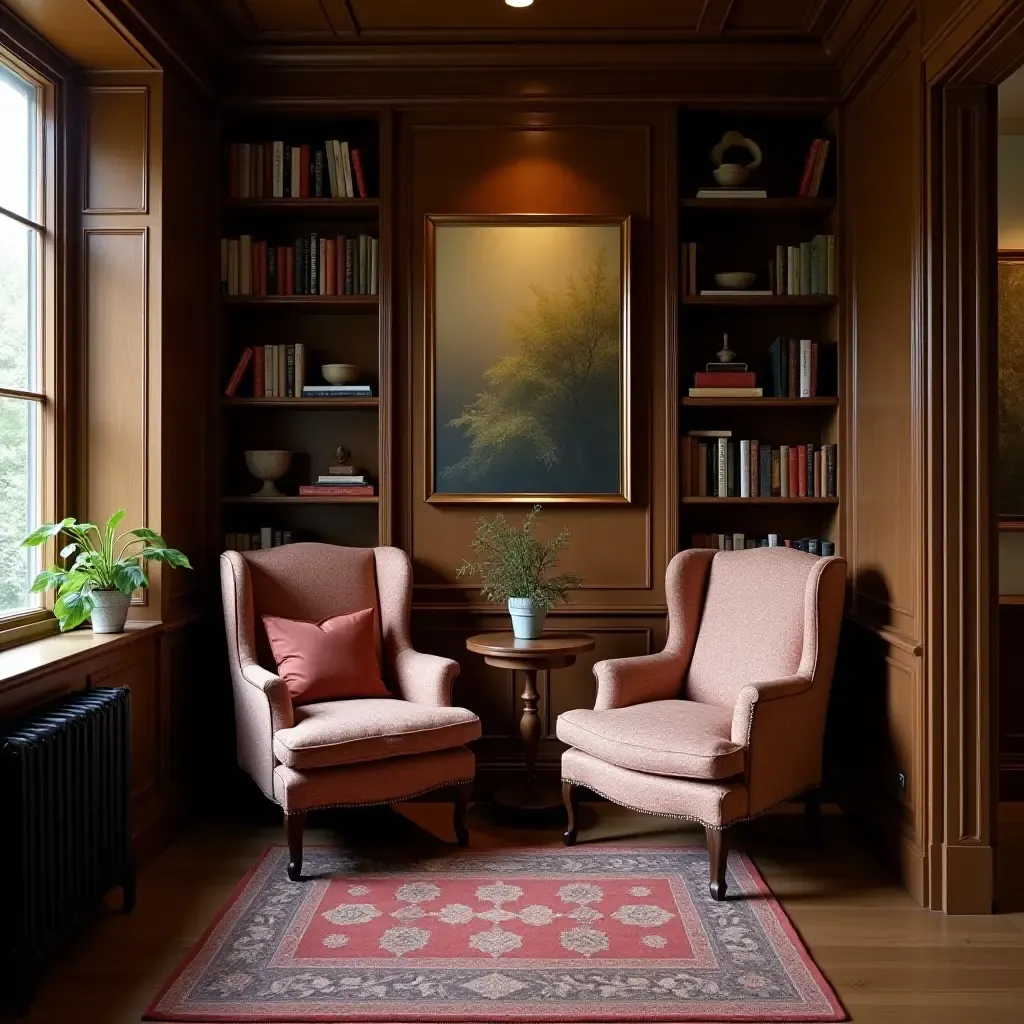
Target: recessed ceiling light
{"x":519,"y":3}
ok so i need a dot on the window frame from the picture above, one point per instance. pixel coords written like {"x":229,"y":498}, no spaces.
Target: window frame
{"x":29,"y":58}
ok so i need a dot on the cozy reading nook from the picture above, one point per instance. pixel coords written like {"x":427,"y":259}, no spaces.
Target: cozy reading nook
{"x":328,"y":296}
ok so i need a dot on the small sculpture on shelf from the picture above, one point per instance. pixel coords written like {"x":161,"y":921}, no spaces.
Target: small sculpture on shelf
{"x":726,"y":354}
{"x":342,"y":480}
{"x":730,"y":174}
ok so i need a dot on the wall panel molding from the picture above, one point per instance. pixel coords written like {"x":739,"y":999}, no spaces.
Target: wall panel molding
{"x":116,"y":167}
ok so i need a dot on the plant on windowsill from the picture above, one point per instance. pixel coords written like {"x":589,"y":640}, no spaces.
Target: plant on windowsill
{"x":515,"y":567}
{"x":106,"y":571}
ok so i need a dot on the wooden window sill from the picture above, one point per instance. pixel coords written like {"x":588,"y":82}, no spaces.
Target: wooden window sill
{"x":28,"y":661}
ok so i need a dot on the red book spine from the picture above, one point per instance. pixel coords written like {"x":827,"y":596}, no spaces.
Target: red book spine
{"x":725,"y":380}
{"x":233,"y":170}
{"x":331,"y":266}
{"x":289,"y":273}
{"x":755,"y":469}
{"x":236,"y":377}
{"x":259,"y":386}
{"x":814,"y":369}
{"x":340,"y":264}
{"x":794,"y":473}
{"x":304,"y":165}
{"x":279,"y":286}
{"x":801,"y":471}
{"x":794,"y":370}
{"x":263,"y":267}
{"x":809,"y":165}
{"x":357,"y":170}
{"x":336,"y":490}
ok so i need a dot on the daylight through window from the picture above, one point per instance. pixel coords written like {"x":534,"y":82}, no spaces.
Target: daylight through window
{"x":22,"y":238}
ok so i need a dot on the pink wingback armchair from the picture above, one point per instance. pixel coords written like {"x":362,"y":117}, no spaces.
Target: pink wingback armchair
{"x":728,"y":720}
{"x":342,"y":753}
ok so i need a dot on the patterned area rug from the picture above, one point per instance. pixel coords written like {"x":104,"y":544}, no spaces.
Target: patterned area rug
{"x":585,"y":934}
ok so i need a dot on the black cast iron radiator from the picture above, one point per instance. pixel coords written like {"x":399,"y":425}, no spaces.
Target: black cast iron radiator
{"x":65,"y":798}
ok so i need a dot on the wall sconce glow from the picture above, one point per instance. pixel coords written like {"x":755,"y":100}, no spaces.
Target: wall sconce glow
{"x":519,"y":3}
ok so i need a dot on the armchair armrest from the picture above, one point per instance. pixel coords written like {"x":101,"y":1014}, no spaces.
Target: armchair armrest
{"x":424,"y":678}
{"x":282,"y":714}
{"x":622,"y":682}
{"x":760,"y":693}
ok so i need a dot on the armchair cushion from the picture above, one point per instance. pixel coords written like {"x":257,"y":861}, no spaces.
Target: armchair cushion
{"x":329,"y":660}
{"x":679,"y":738}
{"x":336,"y":733}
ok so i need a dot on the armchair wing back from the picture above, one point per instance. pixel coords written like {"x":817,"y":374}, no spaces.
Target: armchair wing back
{"x":769,"y":630}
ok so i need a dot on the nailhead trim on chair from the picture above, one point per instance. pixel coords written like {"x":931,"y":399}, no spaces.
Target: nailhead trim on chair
{"x":689,"y":817}
{"x":384,"y":803}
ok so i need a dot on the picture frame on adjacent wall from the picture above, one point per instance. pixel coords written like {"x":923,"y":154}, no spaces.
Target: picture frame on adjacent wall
{"x":527,"y":361}
{"x":1010,"y":476}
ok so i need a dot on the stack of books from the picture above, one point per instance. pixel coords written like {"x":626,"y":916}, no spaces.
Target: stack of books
{"x":340,"y":481}
{"x":265,"y":537}
{"x":312,"y":265}
{"x":716,"y":466}
{"x":724,"y":192}
{"x":805,"y":269}
{"x":277,"y":170}
{"x":337,"y":391}
{"x":741,"y":542}
{"x":725,"y":380}
{"x":278,"y":371}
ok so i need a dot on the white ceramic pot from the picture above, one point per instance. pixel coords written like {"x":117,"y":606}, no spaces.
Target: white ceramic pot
{"x":527,"y":618}
{"x":110,"y":611}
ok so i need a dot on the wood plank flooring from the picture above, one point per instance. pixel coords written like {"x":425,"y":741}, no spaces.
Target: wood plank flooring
{"x":890,"y":962}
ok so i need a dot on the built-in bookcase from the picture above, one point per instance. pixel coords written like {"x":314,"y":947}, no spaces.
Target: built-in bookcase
{"x":333,"y":328}
{"x":742,"y":234}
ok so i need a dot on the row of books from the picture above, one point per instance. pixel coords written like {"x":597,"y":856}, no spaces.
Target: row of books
{"x":805,"y":269}
{"x":277,"y":170}
{"x":278,"y":371}
{"x":741,"y":542}
{"x":716,"y":466}
{"x":257,"y":540}
{"x":313,"y":265}
{"x":792,"y":367}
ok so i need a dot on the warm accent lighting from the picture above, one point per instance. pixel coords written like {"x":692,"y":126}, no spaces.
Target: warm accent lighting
{"x":519,"y":3}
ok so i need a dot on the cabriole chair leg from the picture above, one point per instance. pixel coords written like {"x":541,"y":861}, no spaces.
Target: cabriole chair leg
{"x":294,"y":824}
{"x":718,"y":853}
{"x":463,"y":795}
{"x":570,"y":797}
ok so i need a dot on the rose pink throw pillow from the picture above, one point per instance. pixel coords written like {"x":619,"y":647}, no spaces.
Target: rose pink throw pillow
{"x":330,"y":660}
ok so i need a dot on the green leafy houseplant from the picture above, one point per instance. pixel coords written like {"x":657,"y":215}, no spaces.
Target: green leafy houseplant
{"x":515,"y":567}
{"x":104,"y":562}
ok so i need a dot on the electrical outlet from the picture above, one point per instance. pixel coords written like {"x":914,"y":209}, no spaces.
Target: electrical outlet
{"x":901,"y":781}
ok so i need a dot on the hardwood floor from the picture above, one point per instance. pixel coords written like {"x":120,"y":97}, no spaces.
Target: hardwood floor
{"x":890,"y":962}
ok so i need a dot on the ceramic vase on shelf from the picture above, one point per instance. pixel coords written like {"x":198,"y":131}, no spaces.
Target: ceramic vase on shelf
{"x":110,"y":611}
{"x":527,"y":618}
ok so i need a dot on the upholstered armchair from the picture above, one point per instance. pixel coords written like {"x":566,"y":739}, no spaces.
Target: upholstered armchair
{"x":728,"y":720}
{"x":342,"y":753}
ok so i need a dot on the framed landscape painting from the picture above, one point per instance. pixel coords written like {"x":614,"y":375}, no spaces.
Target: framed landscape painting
{"x":527,"y":359}
{"x":1011,"y":390}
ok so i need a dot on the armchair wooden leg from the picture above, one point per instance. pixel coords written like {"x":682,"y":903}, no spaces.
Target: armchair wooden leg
{"x":570,"y":797}
{"x":718,"y":853}
{"x":463,"y":794}
{"x":293,"y":828}
{"x":812,"y":815}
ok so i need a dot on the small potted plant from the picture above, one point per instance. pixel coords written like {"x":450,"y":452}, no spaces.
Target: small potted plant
{"x":516,"y":566}
{"x":106,"y":571}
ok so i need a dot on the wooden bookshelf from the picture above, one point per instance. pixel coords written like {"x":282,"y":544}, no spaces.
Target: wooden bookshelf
{"x":332,"y":328}
{"x":306,"y":404}
{"x":743,"y":235}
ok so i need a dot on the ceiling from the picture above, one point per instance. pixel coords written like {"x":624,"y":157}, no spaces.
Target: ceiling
{"x":394,"y":21}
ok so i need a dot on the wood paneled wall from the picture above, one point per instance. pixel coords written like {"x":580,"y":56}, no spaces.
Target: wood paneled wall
{"x":608,"y":162}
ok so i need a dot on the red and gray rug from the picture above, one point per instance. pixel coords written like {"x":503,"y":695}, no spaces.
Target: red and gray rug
{"x":587,"y":934}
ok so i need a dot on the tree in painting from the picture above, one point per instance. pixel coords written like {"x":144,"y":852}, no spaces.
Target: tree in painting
{"x":549,"y":419}
{"x":1011,"y":389}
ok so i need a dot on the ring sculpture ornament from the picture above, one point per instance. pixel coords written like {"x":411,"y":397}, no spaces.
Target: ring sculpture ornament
{"x":731,"y":175}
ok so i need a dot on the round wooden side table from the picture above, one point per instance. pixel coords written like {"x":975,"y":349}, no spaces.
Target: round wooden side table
{"x":551,"y":651}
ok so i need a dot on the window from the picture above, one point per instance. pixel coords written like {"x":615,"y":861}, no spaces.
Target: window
{"x":23,"y":304}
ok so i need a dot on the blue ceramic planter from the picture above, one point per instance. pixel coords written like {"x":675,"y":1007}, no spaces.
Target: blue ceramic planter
{"x":527,"y":618}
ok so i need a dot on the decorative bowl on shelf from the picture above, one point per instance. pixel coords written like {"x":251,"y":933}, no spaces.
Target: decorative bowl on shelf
{"x":735,"y":279}
{"x":268,"y":465}
{"x":340,"y":373}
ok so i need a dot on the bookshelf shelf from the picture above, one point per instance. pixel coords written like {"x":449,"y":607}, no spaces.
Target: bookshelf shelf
{"x":306,"y":404}
{"x":760,"y":301}
{"x":760,"y":501}
{"x":764,"y":403}
{"x":788,"y":206}
{"x":361,"y":303}
{"x":294,"y":499}
{"x":345,"y":208}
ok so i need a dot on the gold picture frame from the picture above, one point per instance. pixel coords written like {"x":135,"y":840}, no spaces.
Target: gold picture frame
{"x":486,"y":429}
